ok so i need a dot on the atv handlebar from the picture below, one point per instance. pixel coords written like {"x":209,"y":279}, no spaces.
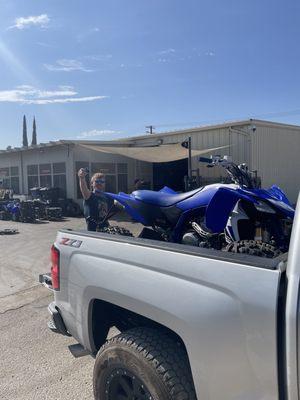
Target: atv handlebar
{"x":238,"y":173}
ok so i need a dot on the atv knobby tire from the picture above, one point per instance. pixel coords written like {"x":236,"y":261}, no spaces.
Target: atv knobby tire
{"x":116,"y":230}
{"x":143,"y":364}
{"x":253,"y":248}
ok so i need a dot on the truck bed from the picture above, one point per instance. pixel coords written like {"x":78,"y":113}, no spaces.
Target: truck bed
{"x":259,"y":262}
{"x":223,"y":306}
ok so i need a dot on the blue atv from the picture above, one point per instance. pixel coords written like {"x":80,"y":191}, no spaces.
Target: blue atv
{"x":236,"y":217}
{"x":21,"y":211}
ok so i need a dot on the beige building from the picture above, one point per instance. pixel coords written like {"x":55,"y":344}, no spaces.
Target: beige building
{"x":271,"y":149}
{"x":56,"y":164}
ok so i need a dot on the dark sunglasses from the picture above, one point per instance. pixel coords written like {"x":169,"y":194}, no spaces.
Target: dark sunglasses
{"x":99,"y":181}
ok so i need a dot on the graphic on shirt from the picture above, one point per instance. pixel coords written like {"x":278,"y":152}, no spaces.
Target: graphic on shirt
{"x":102,"y":209}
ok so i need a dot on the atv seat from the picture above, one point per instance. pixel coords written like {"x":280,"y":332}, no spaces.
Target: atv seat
{"x":162,"y":199}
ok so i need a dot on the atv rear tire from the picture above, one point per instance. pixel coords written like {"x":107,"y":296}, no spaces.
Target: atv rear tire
{"x":253,"y":248}
{"x":116,"y":230}
{"x":143,"y":364}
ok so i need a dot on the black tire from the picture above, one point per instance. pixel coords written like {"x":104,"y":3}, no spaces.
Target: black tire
{"x":254,"y":248}
{"x":144,"y":364}
{"x":116,"y":230}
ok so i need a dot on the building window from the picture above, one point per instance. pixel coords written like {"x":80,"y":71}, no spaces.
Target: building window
{"x":110,"y":183}
{"x":32,"y":169}
{"x":60,"y":181}
{"x":122,"y":170}
{"x":105,"y":168}
{"x":33,"y":182}
{"x":59,"y":168}
{"x":33,"y":176}
{"x":14,"y":171}
{"x":59,"y":176}
{"x":45,"y":181}
{"x":10,"y":178}
{"x":4,"y":172}
{"x":45,"y":175}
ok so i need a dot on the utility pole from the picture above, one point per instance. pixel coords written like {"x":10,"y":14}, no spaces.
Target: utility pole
{"x":190,"y":158}
{"x":150,"y":127}
{"x":187,"y":144}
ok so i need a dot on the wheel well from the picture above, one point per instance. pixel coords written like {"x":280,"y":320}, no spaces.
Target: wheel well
{"x":104,"y":315}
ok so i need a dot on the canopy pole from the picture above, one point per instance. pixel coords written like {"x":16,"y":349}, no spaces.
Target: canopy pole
{"x":190,"y":158}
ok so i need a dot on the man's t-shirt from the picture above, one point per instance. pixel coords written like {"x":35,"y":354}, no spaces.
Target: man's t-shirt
{"x":95,"y":210}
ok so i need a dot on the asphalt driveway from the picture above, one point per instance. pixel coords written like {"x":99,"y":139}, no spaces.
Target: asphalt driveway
{"x":35,"y":363}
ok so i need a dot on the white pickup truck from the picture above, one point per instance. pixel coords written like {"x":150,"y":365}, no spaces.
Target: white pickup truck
{"x":194,"y":323}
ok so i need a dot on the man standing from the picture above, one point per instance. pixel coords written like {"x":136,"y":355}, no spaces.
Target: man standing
{"x":95,"y":203}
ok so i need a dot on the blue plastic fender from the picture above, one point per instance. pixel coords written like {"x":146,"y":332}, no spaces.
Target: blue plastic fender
{"x":220,"y":207}
{"x":128,"y":202}
{"x":279,"y":194}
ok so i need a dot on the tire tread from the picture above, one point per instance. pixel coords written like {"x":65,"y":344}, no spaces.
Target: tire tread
{"x":166,"y":356}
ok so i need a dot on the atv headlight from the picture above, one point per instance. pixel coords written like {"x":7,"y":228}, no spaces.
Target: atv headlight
{"x":264,"y":207}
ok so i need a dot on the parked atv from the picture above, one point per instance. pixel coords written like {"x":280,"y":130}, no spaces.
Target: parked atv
{"x":21,"y":211}
{"x":236,"y":217}
{"x":54,"y":197}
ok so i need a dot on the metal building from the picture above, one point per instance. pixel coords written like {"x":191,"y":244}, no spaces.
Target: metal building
{"x":272,"y":149}
{"x":56,"y":164}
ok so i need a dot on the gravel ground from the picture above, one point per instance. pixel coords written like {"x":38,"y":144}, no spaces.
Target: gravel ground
{"x":35,"y":363}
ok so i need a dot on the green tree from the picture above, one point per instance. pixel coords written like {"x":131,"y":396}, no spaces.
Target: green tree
{"x":25,"y":140}
{"x":34,"y":139}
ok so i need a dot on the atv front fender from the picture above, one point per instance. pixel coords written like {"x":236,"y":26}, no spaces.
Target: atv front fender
{"x":220,"y":207}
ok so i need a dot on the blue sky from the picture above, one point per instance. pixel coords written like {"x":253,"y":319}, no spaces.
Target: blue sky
{"x":106,"y":69}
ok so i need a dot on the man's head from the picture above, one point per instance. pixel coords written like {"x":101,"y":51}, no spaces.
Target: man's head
{"x":98,"y":182}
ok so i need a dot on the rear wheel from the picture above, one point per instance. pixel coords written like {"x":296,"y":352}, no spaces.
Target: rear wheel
{"x":254,"y":248}
{"x":143,"y":364}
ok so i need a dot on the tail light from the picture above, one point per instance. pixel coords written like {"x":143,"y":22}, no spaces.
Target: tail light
{"x":55,"y":267}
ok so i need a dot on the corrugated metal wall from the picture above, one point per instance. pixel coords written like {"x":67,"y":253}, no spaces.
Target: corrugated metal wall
{"x":237,"y":141}
{"x":276,"y":156}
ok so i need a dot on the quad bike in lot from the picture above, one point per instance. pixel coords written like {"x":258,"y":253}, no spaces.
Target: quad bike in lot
{"x":53,"y":213}
{"x":53,"y":199}
{"x":5,"y":215}
{"x":22,"y":211}
{"x":237,"y":217}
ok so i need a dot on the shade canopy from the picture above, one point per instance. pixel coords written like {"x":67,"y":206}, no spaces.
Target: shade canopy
{"x":154,"y":154}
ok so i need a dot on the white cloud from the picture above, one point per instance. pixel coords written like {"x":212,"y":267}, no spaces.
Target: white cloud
{"x":26,"y":94}
{"x":167,"y":51}
{"x":210,"y":53}
{"x":47,"y":45}
{"x":67,"y":65}
{"x":98,"y":57}
{"x":96,"y":132}
{"x":41,"y":21}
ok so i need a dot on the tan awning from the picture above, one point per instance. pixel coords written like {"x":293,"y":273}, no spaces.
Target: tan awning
{"x":155,"y":154}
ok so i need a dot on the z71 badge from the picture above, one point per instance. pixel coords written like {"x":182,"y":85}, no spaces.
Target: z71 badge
{"x":71,"y":242}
